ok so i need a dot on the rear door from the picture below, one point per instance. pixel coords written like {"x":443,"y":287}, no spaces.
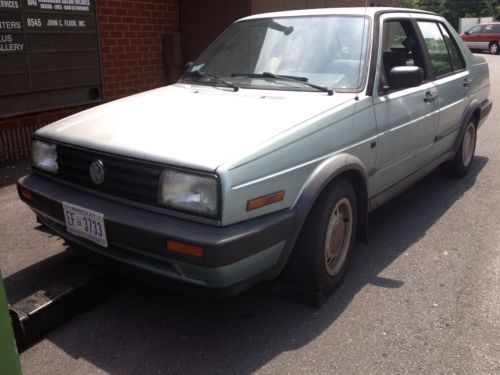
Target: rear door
{"x":452,"y":80}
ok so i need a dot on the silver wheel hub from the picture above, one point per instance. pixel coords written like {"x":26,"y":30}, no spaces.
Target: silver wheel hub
{"x":468,"y":144}
{"x":338,"y":236}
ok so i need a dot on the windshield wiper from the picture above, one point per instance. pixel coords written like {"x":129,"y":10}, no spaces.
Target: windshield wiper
{"x":302,"y":80}
{"x":217,"y":79}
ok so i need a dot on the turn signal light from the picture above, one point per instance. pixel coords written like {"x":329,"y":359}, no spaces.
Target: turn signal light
{"x":26,"y":194}
{"x":183,"y":248}
{"x":264,"y":201}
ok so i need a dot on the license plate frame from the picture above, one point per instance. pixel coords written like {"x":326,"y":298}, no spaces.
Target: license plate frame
{"x":85,"y":223}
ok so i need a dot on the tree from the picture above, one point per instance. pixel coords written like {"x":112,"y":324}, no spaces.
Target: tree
{"x":453,"y":10}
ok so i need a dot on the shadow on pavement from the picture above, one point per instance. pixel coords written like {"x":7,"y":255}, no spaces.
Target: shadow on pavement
{"x":148,"y":330}
{"x":10,"y":172}
{"x":42,"y":275}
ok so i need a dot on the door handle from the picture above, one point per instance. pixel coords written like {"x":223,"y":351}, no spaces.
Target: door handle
{"x":467,"y":82}
{"x":430,"y":97}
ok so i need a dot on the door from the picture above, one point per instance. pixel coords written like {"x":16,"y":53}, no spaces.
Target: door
{"x":473,"y":38}
{"x":452,"y":80}
{"x":407,"y":119}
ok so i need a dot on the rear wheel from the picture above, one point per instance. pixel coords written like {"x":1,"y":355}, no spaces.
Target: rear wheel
{"x":462,"y":161}
{"x":321,"y":254}
{"x":494,"y":49}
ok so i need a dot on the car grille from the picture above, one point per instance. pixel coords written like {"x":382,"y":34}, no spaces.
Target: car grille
{"x":125,"y":178}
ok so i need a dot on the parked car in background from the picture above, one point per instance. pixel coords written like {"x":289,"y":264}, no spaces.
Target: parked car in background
{"x":266,"y":157}
{"x":485,"y":36}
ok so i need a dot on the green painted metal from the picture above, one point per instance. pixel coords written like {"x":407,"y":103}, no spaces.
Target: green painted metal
{"x":9,"y":358}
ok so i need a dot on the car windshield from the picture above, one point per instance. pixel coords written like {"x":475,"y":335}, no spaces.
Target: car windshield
{"x":288,"y":53}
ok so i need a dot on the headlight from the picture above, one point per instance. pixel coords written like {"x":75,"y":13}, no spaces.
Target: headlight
{"x":45,"y":156}
{"x":189,"y":192}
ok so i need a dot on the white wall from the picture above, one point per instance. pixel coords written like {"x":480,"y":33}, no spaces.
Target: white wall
{"x":466,"y":23}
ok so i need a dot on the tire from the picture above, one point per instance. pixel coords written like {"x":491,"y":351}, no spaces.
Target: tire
{"x":494,"y":49}
{"x":323,"y":248}
{"x":460,"y":165}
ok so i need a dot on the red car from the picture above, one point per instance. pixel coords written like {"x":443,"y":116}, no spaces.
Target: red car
{"x":483,"y":36}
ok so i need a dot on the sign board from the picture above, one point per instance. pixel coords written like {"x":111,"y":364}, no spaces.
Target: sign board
{"x":49,"y":55}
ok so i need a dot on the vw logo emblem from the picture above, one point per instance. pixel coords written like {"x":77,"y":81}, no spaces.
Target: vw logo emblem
{"x":97,"y":172}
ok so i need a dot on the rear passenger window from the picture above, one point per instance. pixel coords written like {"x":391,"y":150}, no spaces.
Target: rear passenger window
{"x":457,"y":59}
{"x":438,"y":51}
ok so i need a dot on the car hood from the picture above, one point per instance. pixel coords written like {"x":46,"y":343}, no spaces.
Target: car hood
{"x":190,"y":126}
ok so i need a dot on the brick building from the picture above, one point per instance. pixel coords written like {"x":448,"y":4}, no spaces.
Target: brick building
{"x":124,"y":47}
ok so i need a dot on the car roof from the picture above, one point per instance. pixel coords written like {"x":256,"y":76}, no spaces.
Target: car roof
{"x":362,"y":11}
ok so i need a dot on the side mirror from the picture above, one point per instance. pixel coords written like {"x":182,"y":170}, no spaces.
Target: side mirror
{"x":188,"y":66}
{"x":467,"y":32}
{"x":403,"y":77}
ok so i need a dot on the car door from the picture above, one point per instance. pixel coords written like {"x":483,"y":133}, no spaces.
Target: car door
{"x":452,"y":80}
{"x":473,"y":38}
{"x":407,"y":119}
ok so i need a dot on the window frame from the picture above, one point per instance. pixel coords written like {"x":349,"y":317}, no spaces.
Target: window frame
{"x":424,"y":54}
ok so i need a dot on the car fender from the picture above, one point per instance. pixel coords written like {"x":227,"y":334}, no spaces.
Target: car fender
{"x":317,"y":182}
{"x":473,"y":106}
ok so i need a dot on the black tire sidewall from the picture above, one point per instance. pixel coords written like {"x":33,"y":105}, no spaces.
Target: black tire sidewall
{"x":306,"y":266}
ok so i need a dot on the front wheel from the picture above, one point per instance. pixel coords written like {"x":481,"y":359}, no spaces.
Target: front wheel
{"x":462,"y":161}
{"x":494,"y":49}
{"x":321,"y":254}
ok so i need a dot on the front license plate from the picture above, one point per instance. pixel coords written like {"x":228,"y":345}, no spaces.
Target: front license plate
{"x":85,"y":223}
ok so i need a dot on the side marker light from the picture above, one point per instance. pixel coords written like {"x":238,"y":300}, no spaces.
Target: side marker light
{"x":183,"y":248}
{"x":265,"y":200}
{"x":26,"y":194}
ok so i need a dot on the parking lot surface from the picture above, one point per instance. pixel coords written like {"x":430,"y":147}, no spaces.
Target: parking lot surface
{"x":423,"y":296}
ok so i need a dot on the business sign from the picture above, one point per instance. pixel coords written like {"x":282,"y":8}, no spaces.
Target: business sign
{"x":49,"y":55}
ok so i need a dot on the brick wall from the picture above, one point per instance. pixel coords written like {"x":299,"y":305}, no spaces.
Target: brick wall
{"x":131,"y":41}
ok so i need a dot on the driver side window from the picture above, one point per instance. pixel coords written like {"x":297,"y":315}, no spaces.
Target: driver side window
{"x":399,"y":48}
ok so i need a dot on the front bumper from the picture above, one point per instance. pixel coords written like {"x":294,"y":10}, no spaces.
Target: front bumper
{"x":235,"y":257}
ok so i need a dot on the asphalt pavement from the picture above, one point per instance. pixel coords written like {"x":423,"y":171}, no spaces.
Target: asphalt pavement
{"x":422,"y":297}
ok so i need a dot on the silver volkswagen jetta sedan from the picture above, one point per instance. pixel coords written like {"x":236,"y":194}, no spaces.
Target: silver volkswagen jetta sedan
{"x":267,"y":156}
